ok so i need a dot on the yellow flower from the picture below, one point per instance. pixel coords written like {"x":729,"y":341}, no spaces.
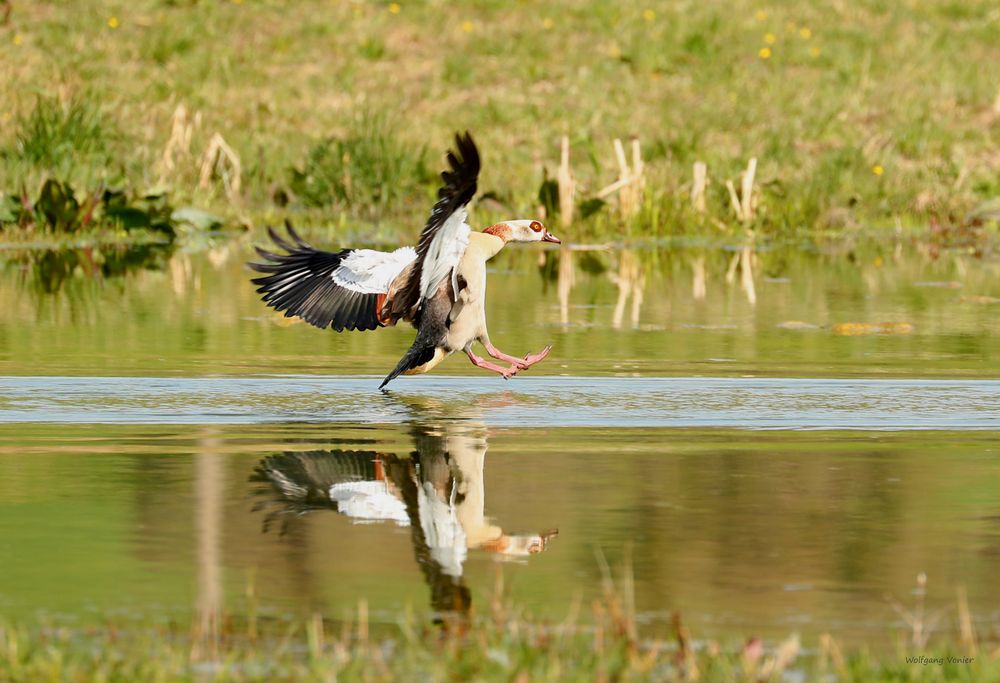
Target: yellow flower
{"x":877,"y":169}
{"x":814,"y":51}
{"x":237,"y":2}
{"x":18,"y":39}
{"x":467,"y":26}
{"x":547,"y":23}
{"x":648,"y":14}
{"x":761,"y":15}
{"x":805,"y":32}
{"x":113,"y":22}
{"x":765,"y":53}
{"x":394,"y":8}
{"x":770,"y":38}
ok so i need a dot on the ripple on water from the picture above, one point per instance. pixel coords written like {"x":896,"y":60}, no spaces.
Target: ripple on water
{"x":745,"y":403}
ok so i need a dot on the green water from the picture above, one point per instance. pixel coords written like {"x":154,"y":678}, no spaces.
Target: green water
{"x":196,"y":314}
{"x":781,"y":452}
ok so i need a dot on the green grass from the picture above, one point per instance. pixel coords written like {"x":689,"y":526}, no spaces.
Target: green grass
{"x":861,"y":114}
{"x":496,"y":647}
{"x":367,"y":170}
{"x":64,"y":138}
{"x":503,"y":642}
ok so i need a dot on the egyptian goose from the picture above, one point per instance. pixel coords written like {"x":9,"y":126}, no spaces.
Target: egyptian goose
{"x":438,"y":490}
{"x":439,"y":287}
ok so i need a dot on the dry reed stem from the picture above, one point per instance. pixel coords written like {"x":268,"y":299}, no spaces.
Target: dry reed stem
{"x":966,"y":627}
{"x":628,"y":589}
{"x":920,"y":625}
{"x":685,"y":656}
{"x":623,"y":279}
{"x":829,"y":649}
{"x":631,"y":281}
{"x":181,"y":274}
{"x":565,"y":282}
{"x":782,"y":657}
{"x":699,"y":185}
{"x":315,"y":636}
{"x":620,"y":156}
{"x":746,"y":274}
{"x":178,"y":146}
{"x":638,"y":295}
{"x":638,"y":167}
{"x":919,"y":630}
{"x":567,"y":186}
{"x":363,"y":621}
{"x":744,"y":204}
{"x":698,"y":279}
{"x":734,"y":262}
{"x":630,"y":179}
{"x":734,"y":199}
{"x":251,"y":596}
{"x":746,"y":190}
{"x":497,"y":610}
{"x":220,"y":159}
{"x":614,"y":187}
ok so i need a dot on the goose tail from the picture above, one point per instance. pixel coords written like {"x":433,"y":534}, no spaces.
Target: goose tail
{"x":415,"y":356}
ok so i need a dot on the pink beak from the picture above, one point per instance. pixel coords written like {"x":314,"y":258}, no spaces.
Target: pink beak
{"x":549,"y":237}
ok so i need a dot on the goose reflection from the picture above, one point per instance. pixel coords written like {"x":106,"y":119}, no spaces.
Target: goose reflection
{"x":437,"y":491}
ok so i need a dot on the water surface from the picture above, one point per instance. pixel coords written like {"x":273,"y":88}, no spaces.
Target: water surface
{"x":772,"y":441}
{"x":766,"y":403}
{"x":743,"y":532}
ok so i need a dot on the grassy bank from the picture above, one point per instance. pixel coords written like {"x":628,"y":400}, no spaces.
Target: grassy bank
{"x":859,"y":114}
{"x":498,"y":647}
{"x":502,"y":642}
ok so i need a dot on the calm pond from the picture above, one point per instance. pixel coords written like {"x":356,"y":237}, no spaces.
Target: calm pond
{"x":771,"y":441}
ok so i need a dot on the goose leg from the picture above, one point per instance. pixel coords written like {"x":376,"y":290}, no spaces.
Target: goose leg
{"x":506,"y":373}
{"x":533,"y":358}
{"x":520,"y":363}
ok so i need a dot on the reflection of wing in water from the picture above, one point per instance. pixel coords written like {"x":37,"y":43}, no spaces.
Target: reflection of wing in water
{"x":438,"y":491}
{"x":370,"y":486}
{"x":350,"y":482}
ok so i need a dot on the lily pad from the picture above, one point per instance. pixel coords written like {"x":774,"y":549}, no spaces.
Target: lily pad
{"x":196,"y":218}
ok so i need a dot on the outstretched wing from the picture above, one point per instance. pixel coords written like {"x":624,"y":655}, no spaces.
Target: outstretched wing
{"x":446,"y":234}
{"x":306,"y":476}
{"x":350,"y":482}
{"x":344,"y":290}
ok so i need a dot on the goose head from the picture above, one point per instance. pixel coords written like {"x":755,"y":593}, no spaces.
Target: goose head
{"x":522,"y":231}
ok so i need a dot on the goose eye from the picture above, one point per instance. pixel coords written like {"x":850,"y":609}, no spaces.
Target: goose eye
{"x":536,"y":226}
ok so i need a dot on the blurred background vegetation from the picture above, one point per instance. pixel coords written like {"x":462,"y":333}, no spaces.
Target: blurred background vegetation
{"x":861,"y":114}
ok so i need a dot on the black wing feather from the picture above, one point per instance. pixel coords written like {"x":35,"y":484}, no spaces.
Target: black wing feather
{"x":457,"y":190}
{"x":294,"y":483}
{"x":300,"y":283}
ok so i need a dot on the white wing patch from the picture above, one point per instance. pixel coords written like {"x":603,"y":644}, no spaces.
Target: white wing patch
{"x":445,"y":252}
{"x":371,"y":272}
{"x":368,"y":501}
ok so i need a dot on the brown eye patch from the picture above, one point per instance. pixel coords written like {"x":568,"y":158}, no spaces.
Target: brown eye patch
{"x":536,"y":226}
